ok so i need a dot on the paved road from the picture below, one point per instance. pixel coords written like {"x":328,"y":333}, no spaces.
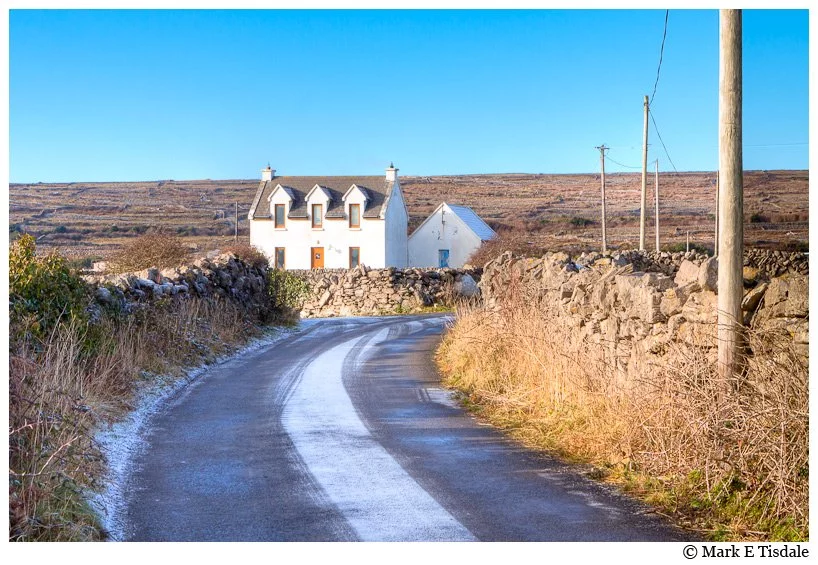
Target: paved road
{"x":341,"y":432}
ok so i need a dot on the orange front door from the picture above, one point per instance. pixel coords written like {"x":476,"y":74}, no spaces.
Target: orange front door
{"x":317,"y":261}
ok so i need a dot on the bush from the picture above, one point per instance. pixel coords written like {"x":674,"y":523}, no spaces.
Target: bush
{"x":517,"y":242}
{"x":682,"y":247}
{"x":757,"y":218}
{"x":156,"y":249}
{"x":287,"y":291}
{"x":249,"y":254}
{"x":43,"y":291}
{"x":579,"y":222}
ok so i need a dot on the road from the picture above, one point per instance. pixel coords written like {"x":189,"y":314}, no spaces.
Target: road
{"x":341,"y":432}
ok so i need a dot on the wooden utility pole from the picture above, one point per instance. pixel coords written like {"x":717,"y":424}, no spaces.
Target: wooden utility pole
{"x":602,"y":150}
{"x":656,"y":204}
{"x":687,"y":247}
{"x":716,"y":244}
{"x":731,"y":194}
{"x":236,"y":229}
{"x":644,"y":178}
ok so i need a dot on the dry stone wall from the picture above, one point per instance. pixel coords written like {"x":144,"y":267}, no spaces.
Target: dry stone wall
{"x":217,"y":275}
{"x":637,"y":305}
{"x":364,"y":291}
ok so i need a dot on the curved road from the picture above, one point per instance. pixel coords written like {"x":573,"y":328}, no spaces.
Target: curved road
{"x":341,"y":432}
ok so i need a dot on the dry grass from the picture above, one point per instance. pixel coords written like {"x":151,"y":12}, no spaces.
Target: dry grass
{"x":60,"y":389}
{"x":727,"y":459}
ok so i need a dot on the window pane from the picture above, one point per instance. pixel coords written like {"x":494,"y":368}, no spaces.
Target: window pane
{"x":354,"y":257}
{"x":279,"y":215}
{"x":316,"y":215}
{"x":279,"y":259}
{"x":354,"y":215}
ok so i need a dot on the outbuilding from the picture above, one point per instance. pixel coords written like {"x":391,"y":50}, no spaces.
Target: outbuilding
{"x":448,"y":237}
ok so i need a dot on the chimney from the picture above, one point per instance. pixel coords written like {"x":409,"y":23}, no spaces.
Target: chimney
{"x":268,"y":173}
{"x":391,"y":173}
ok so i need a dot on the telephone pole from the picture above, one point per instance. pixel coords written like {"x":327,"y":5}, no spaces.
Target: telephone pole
{"x":644,"y":178}
{"x":656,"y":204}
{"x":236,"y":229}
{"x":731,"y":194}
{"x":716,"y":244}
{"x":602,"y":150}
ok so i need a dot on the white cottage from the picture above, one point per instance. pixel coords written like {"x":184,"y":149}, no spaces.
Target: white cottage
{"x":330,"y":222}
{"x":448,"y":237}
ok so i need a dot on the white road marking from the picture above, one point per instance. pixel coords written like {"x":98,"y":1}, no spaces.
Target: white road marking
{"x":379,"y":499}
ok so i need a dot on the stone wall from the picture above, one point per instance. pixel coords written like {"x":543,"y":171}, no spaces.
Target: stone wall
{"x":217,"y":275}
{"x":635,"y":313}
{"x":364,"y":291}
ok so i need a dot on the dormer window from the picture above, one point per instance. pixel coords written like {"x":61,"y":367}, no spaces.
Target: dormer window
{"x":279,"y":216}
{"x":317,"y":216}
{"x":354,"y":216}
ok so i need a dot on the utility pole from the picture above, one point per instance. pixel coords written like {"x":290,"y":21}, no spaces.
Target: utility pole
{"x":687,"y":248}
{"x":644,"y":178}
{"x":656,"y":204}
{"x":602,"y":150}
{"x":236,"y":230}
{"x":716,"y":244}
{"x":731,"y":195}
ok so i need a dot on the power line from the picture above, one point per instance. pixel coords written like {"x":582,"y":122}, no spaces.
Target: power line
{"x":620,"y":164}
{"x":661,"y":54}
{"x":661,"y":140}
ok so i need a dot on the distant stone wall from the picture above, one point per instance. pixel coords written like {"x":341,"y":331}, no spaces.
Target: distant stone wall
{"x":775,"y":263}
{"x":637,"y":313}
{"x":364,"y":291}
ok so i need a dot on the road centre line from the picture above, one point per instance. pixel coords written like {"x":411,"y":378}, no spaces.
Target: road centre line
{"x":379,"y":499}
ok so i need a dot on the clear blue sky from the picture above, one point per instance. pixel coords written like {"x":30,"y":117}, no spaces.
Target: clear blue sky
{"x":144,"y":95}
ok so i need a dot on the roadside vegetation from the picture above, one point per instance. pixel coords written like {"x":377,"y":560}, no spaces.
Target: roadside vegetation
{"x":72,"y":368}
{"x":730,"y":465}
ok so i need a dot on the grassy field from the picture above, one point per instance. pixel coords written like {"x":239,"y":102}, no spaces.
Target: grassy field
{"x":559,"y":212}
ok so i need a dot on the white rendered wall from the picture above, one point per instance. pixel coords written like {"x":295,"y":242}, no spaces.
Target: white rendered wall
{"x":434,"y":235}
{"x":397,"y":221}
{"x":298,"y":236}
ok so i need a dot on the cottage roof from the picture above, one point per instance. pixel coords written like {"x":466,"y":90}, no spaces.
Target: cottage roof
{"x":475,"y":223}
{"x":467,"y":216}
{"x":376,"y":188}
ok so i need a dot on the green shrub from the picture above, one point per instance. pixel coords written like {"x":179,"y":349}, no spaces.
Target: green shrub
{"x":580,"y":222}
{"x":286,"y":289}
{"x":682,"y":247}
{"x":43,"y":291}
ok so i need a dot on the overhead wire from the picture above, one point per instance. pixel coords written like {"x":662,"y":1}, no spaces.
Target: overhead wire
{"x":661,"y":140}
{"x":661,"y":55}
{"x":621,"y":164}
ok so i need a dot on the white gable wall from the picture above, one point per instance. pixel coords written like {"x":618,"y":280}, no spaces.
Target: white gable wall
{"x":397,"y":220}
{"x":442,"y":230}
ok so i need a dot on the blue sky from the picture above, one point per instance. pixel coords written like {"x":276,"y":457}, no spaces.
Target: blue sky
{"x":142,"y":95}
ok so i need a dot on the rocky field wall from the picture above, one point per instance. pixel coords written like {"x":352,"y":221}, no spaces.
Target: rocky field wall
{"x":638,"y":305}
{"x":364,"y":291}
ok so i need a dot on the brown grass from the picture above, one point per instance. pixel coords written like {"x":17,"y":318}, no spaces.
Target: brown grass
{"x":60,"y":389}
{"x":732,"y":466}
